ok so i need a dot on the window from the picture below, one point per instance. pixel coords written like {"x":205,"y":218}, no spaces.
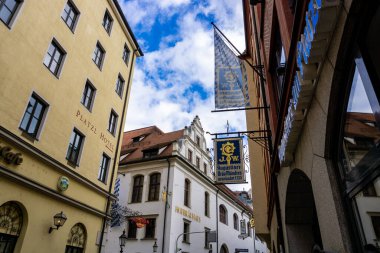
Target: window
{"x":8,"y":9}
{"x":98,"y":55}
{"x":70,"y":15}
{"x":54,"y":58}
{"x":222,"y":214}
{"x":186,"y":200}
{"x":11,"y":215}
{"x":154,"y":187}
{"x":198,"y":141}
{"x":198,"y":162}
{"x":376,"y":226}
{"x":112,"y":122}
{"x":75,"y":145}
{"x":186,"y":231}
{"x":138,"y":184}
{"x":132,"y":229}
{"x":249,"y":230}
{"x":107,"y":22}
{"x":126,"y":53}
{"x":33,"y":116}
{"x":119,"y":85}
{"x":359,"y":143}
{"x":223,"y":249}
{"x":207,"y":204}
{"x":149,"y":153}
{"x":205,"y":168}
{"x":190,"y":155}
{"x":207,"y":233}
{"x":236,"y":222}
{"x":77,"y":239}
{"x":278,"y":65}
{"x":88,"y":95}
{"x":103,"y":171}
{"x":150,"y":228}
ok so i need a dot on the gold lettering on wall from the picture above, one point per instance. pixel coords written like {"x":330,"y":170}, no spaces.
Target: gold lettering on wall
{"x":187,"y":214}
{"x":107,"y":143}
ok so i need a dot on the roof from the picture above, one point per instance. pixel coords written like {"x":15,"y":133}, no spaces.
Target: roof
{"x":232,"y":195}
{"x":137,"y":141}
{"x":127,"y":25}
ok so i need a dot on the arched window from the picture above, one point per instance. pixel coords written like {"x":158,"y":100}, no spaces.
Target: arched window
{"x":77,"y":239}
{"x":236,"y":221}
{"x":186,"y":199}
{"x":10,"y":226}
{"x":355,"y":124}
{"x":223,"y":214}
{"x":138,"y":184}
{"x":207,"y":204}
{"x":154,"y":186}
{"x":223,"y":249}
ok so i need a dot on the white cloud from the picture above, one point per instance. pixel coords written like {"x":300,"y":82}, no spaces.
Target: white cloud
{"x":162,"y":92}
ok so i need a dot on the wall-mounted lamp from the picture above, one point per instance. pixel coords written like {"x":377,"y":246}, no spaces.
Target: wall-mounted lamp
{"x":59,"y":220}
{"x":122,"y":241}
{"x":155,"y":246}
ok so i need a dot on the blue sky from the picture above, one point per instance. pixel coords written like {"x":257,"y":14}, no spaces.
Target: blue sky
{"x":174,"y":81}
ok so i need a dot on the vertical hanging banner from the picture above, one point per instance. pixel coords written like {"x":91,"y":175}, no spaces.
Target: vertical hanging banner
{"x":231,"y":86}
{"x":229,"y":162}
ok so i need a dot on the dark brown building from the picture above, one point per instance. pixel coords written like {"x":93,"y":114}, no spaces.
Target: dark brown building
{"x":316,"y":183}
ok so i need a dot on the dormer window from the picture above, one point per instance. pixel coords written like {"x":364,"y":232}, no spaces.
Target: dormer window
{"x":150,"y":153}
{"x":138,"y":139}
{"x":198,"y":141}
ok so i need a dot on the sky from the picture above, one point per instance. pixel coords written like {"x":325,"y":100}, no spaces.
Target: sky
{"x":174,"y":80}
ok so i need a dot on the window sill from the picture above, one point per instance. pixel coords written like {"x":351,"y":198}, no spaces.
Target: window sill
{"x":153,"y":200}
{"x":148,"y":239}
{"x":29,"y":137}
{"x":105,"y":183}
{"x":135,"y":202}
{"x":56,"y":75}
{"x":113,"y":134}
{"x":88,"y":109}
{"x":186,"y":242}
{"x":132,"y":239}
{"x":72,"y":164}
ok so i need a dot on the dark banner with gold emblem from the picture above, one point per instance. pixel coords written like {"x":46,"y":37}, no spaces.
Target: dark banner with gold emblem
{"x":229,"y":162}
{"x":231,"y":86}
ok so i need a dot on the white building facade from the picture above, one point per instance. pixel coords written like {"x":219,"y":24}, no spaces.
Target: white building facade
{"x":167,"y":178}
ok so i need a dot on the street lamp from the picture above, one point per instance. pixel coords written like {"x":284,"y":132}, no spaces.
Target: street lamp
{"x":122,"y":241}
{"x":59,"y":220}
{"x":155,"y":246}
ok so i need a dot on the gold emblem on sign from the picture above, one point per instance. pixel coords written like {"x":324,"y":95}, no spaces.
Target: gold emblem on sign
{"x":252,"y":222}
{"x":228,"y":150}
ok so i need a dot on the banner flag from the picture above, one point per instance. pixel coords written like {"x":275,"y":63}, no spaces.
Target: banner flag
{"x":229,"y":161}
{"x":231,"y":86}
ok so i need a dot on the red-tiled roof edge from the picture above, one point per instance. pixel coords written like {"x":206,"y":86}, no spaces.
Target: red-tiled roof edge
{"x":138,"y":129}
{"x":231,"y":194}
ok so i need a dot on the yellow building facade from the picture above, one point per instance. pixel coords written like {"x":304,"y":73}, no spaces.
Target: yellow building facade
{"x":65,"y":75}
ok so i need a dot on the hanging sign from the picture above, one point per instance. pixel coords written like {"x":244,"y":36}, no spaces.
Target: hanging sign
{"x":231,"y":83}
{"x":229,"y":164}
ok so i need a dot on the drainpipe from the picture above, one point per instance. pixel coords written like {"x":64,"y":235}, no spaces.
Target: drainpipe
{"x":115,"y":161}
{"x":166,"y":206}
{"x":217,"y":222}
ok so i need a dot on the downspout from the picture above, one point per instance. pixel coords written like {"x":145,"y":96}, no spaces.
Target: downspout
{"x":217,"y":222}
{"x":115,"y":162}
{"x":166,"y":207}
